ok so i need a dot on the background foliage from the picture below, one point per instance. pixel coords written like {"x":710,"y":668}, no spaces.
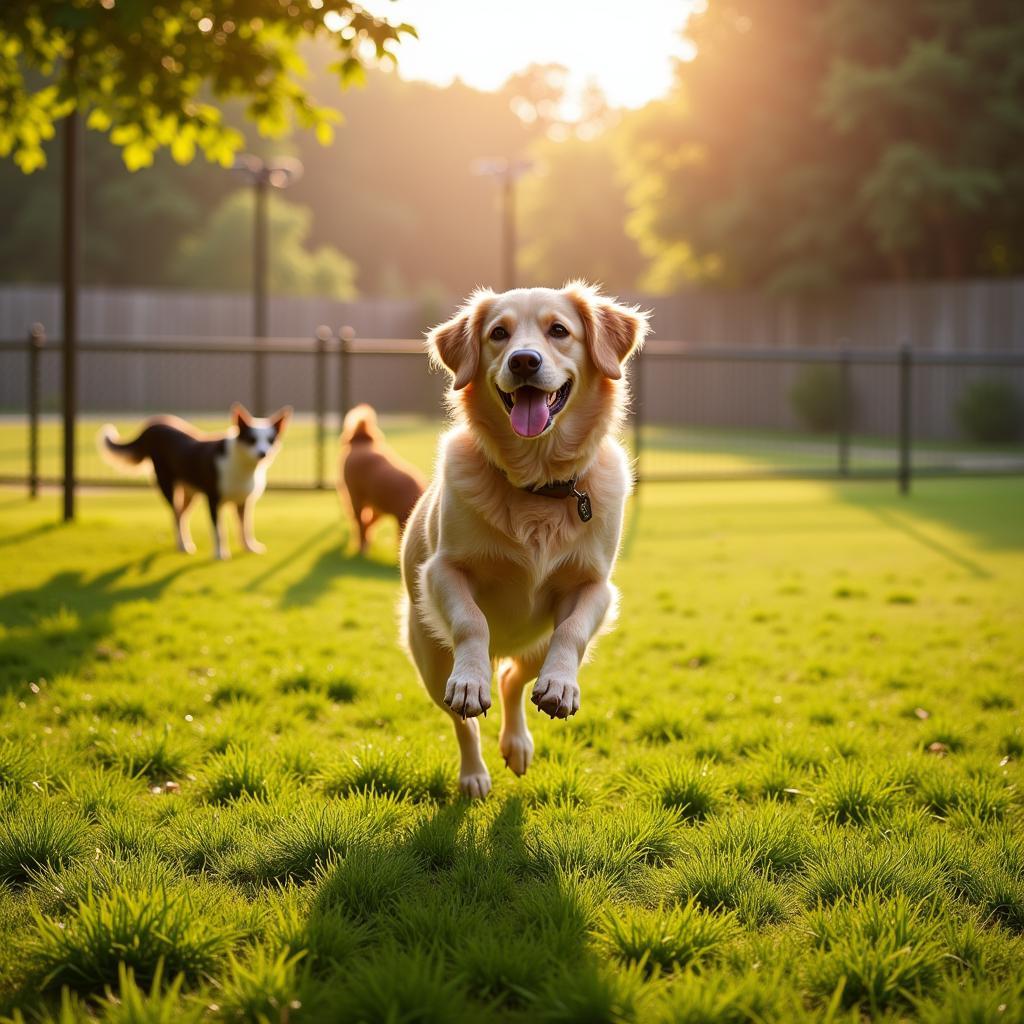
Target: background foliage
{"x":808,"y":144}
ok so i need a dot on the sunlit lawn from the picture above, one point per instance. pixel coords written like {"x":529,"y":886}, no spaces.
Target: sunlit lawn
{"x":792,"y":789}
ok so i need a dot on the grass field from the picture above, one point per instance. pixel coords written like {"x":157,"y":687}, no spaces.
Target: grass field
{"x":792,"y":792}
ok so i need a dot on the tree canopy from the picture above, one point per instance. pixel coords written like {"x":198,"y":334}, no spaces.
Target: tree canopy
{"x":155,"y":75}
{"x":812,"y":142}
{"x":215,"y":257}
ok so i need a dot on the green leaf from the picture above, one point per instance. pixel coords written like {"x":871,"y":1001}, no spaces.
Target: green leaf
{"x":99,"y":120}
{"x":137,"y":155}
{"x":183,"y":147}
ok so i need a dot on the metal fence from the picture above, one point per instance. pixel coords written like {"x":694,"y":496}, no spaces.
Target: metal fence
{"x":698,"y":412}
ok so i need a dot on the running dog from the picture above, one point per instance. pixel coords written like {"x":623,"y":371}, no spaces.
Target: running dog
{"x":507,"y":558}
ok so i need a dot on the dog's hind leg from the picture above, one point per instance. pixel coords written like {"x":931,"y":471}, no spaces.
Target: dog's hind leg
{"x":246,"y":525}
{"x":220,"y":547}
{"x":168,"y":488}
{"x":365,"y":517}
{"x":182,"y":501}
{"x":435,"y":666}
{"x":515,"y":741}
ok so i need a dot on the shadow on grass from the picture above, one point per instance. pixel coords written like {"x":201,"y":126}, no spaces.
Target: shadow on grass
{"x":54,"y":627}
{"x":988,"y":511}
{"x":26,"y":535}
{"x":460,"y":913}
{"x":332,"y":563}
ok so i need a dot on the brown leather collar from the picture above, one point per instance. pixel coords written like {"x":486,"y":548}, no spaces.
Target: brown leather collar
{"x":565,"y":489}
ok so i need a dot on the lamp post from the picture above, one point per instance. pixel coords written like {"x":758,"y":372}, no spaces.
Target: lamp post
{"x":264,"y":175}
{"x":507,"y":173}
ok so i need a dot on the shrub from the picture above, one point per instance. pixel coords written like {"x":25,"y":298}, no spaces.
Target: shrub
{"x":989,"y":410}
{"x":816,"y":397}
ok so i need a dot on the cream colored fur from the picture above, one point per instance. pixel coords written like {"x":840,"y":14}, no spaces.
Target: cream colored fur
{"x":495,"y":575}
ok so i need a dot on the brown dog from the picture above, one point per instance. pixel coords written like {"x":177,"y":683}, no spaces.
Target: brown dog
{"x":509,"y":555}
{"x":374,"y":479}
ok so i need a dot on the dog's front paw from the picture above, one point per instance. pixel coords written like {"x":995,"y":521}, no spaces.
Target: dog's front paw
{"x":468,"y":695}
{"x":556,"y":695}
{"x":254,"y":547}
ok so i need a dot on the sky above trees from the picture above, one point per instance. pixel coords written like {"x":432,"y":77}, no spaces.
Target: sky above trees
{"x":628,"y":51}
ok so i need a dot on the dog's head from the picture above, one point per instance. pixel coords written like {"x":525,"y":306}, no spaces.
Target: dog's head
{"x":539,"y":367}
{"x":258,"y":436}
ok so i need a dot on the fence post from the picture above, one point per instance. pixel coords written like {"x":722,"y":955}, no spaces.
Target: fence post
{"x":36,"y":340}
{"x":323,"y":335}
{"x":905,"y":441}
{"x":843,"y":438}
{"x":345,"y":336}
{"x":637,"y":399}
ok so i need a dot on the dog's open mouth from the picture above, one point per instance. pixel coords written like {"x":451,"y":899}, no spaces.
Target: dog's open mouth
{"x":532,"y":410}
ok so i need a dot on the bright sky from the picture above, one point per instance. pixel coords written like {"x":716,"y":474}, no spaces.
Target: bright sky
{"x":626,"y":46}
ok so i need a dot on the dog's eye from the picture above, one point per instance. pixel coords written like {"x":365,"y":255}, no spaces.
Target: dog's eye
{"x":499,"y":334}
{"x":557,"y":330}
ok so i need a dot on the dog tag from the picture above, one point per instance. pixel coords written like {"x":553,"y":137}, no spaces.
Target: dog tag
{"x":583,"y":505}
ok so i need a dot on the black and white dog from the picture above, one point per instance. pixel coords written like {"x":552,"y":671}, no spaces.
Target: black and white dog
{"x":231,"y":467}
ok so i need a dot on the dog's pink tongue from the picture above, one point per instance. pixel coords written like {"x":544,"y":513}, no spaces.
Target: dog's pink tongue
{"x":530,"y":413}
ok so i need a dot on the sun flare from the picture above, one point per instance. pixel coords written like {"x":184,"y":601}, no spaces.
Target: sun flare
{"x":628,"y":52}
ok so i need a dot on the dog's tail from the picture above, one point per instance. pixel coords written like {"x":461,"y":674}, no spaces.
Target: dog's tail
{"x":360,"y":425}
{"x":126,"y":456}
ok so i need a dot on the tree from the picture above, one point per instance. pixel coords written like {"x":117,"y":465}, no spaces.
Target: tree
{"x":134,"y":223}
{"x":573,"y":216}
{"x":215,"y":257}
{"x":814,"y":142}
{"x":145,"y":72}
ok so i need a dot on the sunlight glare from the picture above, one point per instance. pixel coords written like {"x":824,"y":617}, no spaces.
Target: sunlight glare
{"x":629,"y":52}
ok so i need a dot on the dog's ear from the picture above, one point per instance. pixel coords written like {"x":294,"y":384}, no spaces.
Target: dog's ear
{"x":614,"y":331}
{"x":240,"y":415}
{"x":280,"y":419}
{"x":455,"y":344}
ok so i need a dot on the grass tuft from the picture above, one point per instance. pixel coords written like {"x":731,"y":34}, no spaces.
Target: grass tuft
{"x":852,"y":792}
{"x":875,"y":953}
{"x":389,"y":773}
{"x":666,"y":939}
{"x":265,"y":985}
{"x":236,"y":773}
{"x":147,"y":931}
{"x":727,"y":881}
{"x":37,"y":837}
{"x":689,"y":788}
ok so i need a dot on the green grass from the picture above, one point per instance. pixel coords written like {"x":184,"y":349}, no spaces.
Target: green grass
{"x":792,"y":792}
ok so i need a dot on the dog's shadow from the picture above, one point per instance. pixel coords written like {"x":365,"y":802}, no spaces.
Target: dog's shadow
{"x":461,"y":890}
{"x":54,"y":627}
{"x":334,"y":562}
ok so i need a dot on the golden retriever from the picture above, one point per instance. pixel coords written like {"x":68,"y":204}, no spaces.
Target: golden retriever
{"x":508,"y":555}
{"x":374,"y":479}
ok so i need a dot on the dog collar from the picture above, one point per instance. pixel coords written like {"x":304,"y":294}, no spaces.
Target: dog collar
{"x":565,"y":489}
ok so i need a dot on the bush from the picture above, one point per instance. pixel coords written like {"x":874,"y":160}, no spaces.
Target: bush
{"x":989,"y":410}
{"x":816,"y":397}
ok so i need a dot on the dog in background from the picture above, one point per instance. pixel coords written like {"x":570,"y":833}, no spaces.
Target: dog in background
{"x":227,"y":468}
{"x":375,"y":480}
{"x":507,"y":560}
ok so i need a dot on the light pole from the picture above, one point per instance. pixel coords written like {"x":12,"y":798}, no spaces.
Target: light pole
{"x":507,"y":173}
{"x":264,"y":174}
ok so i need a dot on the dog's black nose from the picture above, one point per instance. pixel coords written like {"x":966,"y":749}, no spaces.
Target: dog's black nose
{"x":524,"y":362}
